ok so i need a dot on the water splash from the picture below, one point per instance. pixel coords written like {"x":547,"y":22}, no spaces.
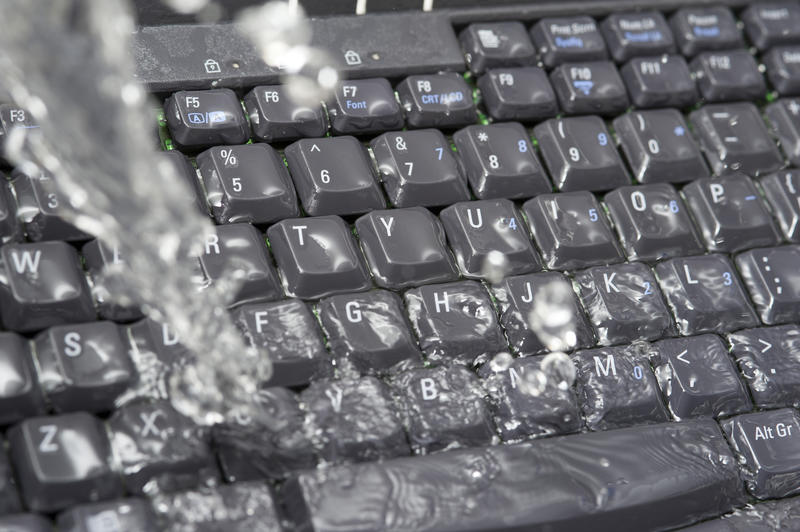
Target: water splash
{"x":553,"y":318}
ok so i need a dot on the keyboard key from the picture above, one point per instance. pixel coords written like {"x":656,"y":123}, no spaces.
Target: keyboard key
{"x":317,"y":257}
{"x":652,"y":222}
{"x":362,"y":106}
{"x":728,"y":76}
{"x":659,"y":81}
{"x":109,"y":290}
{"x":454,"y":321}
{"x":783,"y":119}
{"x":769,"y":359}
{"x":13,"y":117}
{"x":333,"y":176}
{"x":522,"y":93}
{"x":62,"y":461}
{"x":624,"y":303}
{"x":571,"y":230}
{"x":439,"y":100}
{"x":418,"y":168}
{"x":635,"y":34}
{"x":156,"y":351}
{"x":10,"y":226}
{"x":781,"y":191}
{"x":773,"y":280}
{"x":580,"y":154}
{"x":772,"y":23}
{"x":20,"y":396}
{"x":568,"y":39}
{"x":39,"y":208}
{"x":25,"y":523}
{"x":705,"y":295}
{"x":500,"y":162}
{"x":589,"y":88}
{"x":276,"y":117}
{"x":496,"y":44}
{"x":730,"y":213}
{"x":9,"y":496}
{"x":131,"y":515}
{"x":783,"y":69}
{"x":697,"y":29}
{"x":205,"y":118}
{"x":697,"y":377}
{"x":247,"y":183}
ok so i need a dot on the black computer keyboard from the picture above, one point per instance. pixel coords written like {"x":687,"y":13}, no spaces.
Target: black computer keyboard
{"x":412,"y":246}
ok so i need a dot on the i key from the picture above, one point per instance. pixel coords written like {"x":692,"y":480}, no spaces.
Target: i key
{"x":697,"y":29}
{"x":659,"y":81}
{"x":439,"y":100}
{"x":637,"y":34}
{"x":562,"y":40}
{"x":522,"y":93}
{"x":773,"y":279}
{"x":364,"y":106}
{"x":496,"y":44}
{"x":726,"y":76}
{"x":275,"y":116}
{"x":782,"y":190}
{"x":770,"y":24}
{"x":769,"y":359}
{"x":589,"y":88}
{"x":784,"y":120}
{"x":205,"y":118}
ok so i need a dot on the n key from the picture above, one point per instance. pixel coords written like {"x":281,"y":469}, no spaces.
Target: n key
{"x":204,"y":118}
{"x":773,"y":278}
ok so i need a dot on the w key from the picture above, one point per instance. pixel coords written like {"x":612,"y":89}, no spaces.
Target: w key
{"x":773,"y":278}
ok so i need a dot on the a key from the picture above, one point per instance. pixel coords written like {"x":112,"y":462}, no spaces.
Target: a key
{"x":39,"y":202}
{"x":783,"y":116}
{"x":439,"y":100}
{"x":705,"y":294}
{"x":697,"y":29}
{"x":500,"y":162}
{"x":317,"y":257}
{"x":659,"y":81}
{"x":288,"y":332}
{"x":478,"y":230}
{"x":277,"y":117}
{"x":769,"y":360}
{"x":405,"y":247}
{"x":185,"y":172}
{"x":355,"y":419}
{"x":25,"y":523}
{"x":522,"y":93}
{"x":624,"y":303}
{"x":773,"y":280}
{"x":767,"y":444}
{"x":418,"y":168}
{"x":568,"y":39}
{"x":9,"y":495}
{"x":659,"y":147}
{"x":369,"y":330}
{"x":781,"y":191}
{"x":61,"y":461}
{"x":697,"y":377}
{"x":454,"y":321}
{"x":42,"y":285}
{"x":783,"y":69}
{"x":589,"y":88}
{"x":727,"y":76}
{"x":98,"y":258}
{"x":730,"y":213}
{"x":20,"y":395}
{"x":525,"y":302}
{"x":10,"y":226}
{"x":580,"y":154}
{"x":636,"y":34}
{"x":362,"y":106}
{"x":734,"y":138}
{"x":652,"y":222}
{"x":571,"y":230}
{"x":496,"y":44}
{"x":130,"y":514}
{"x":247,"y":183}
{"x":83,"y":366}
{"x":333,"y":176}
{"x":616,"y":388}
{"x":769,"y":24}
{"x":442,"y":407}
{"x":206,"y":118}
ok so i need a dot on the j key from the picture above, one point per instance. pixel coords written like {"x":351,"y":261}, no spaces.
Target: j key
{"x":205,"y":118}
{"x":333,"y":176}
{"x":769,"y":359}
{"x":784,"y":117}
{"x":289,"y":334}
{"x":476,"y":229}
{"x":454,"y":321}
{"x":131,"y":515}
{"x":418,"y":168}
{"x":62,"y":461}
{"x":317,"y":257}
{"x":97,"y":258}
{"x":83,"y":366}
{"x":772,"y":23}
{"x":497,"y":44}
{"x":782,"y":190}
{"x":652,"y":222}
{"x":369,"y":329}
{"x":730,"y":213}
{"x":580,"y":154}
{"x":783,"y":69}
{"x":616,"y":388}
{"x":659,"y":147}
{"x":659,"y":81}
{"x":276,"y":117}
{"x":705,"y":295}
{"x":42,"y":285}
{"x":25,"y":523}
{"x":247,"y":183}
{"x":734,"y":138}
{"x":515,"y":298}
{"x":10,"y":227}
{"x":589,"y":88}
{"x":773,"y":280}
{"x":726,"y":76}
{"x":563,"y":40}
{"x":405,"y":247}
{"x":364,"y":106}
{"x":572,"y":230}
{"x":442,"y":407}
{"x":439,"y":100}
{"x":186,"y":172}
{"x":20,"y":396}
{"x":697,"y":29}
{"x":624,"y":303}
{"x":355,"y":419}
{"x":636,"y":34}
{"x":39,"y":204}
{"x":697,"y":377}
{"x":768,"y":444}
{"x":500,"y":161}
{"x":522,"y":93}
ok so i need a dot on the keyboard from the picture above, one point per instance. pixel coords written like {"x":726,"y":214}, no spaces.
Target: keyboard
{"x":529,"y":267}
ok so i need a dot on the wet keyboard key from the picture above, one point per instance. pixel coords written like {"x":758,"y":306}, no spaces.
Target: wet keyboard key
{"x":205,"y":118}
{"x":25,"y":523}
{"x":98,"y":259}
{"x":784,"y":117}
{"x":13,"y":118}
{"x":156,"y":351}
{"x":10,"y":226}
{"x":439,"y":100}
{"x":522,"y":93}
{"x":659,"y":81}
{"x":20,"y":395}
{"x":783,"y":69}
{"x":9,"y":495}
{"x":276,"y":117}
{"x":636,"y":34}
{"x":362,"y":106}
{"x":39,"y":204}
{"x":728,"y":76}
{"x":568,"y":39}
{"x":697,"y":29}
{"x":773,"y":280}
{"x":131,"y":515}
{"x":772,"y":23}
{"x":496,"y":44}
{"x":185,"y":171}
{"x":589,"y":88}
{"x":769,"y":359}
{"x":782,"y":191}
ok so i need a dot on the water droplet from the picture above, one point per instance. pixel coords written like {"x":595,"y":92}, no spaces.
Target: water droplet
{"x":552,"y":318}
{"x":495,"y":266}
{"x":501,"y":362}
{"x":533,"y":382}
{"x":559,"y":368}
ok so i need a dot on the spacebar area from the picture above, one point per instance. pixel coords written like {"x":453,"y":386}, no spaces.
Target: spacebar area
{"x":641,"y":478}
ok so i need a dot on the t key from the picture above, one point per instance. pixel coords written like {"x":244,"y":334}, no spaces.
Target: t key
{"x":205,"y":118}
{"x":438,"y":100}
{"x":773,"y":278}
{"x":364,"y":106}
